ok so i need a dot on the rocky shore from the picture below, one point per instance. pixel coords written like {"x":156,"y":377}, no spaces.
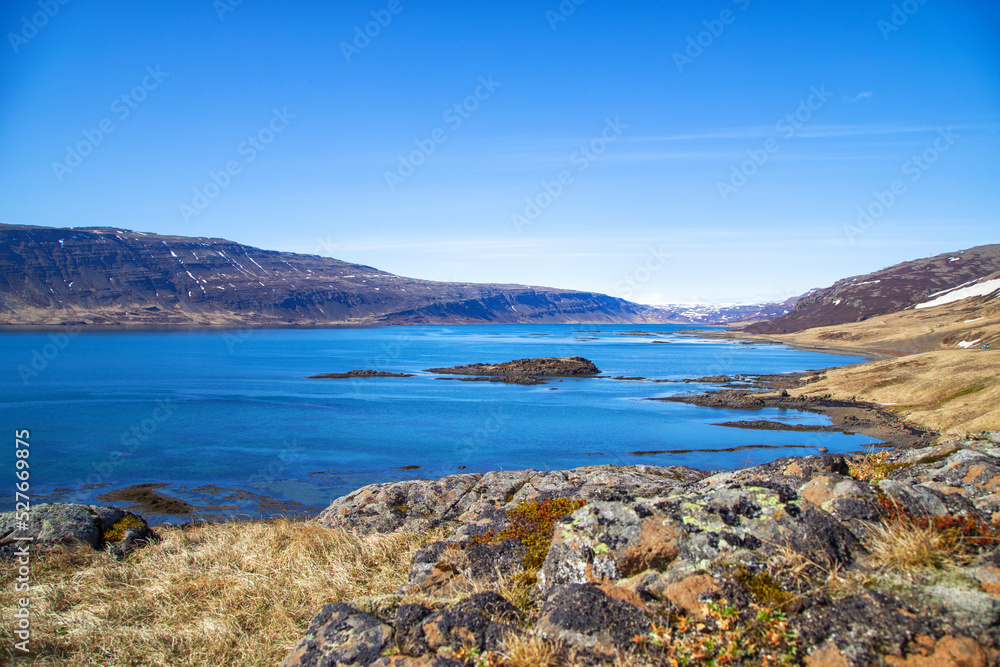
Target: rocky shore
{"x":845,"y":415}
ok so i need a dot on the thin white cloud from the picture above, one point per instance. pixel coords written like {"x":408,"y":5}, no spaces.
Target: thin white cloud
{"x":810,"y":131}
{"x":859,"y":96}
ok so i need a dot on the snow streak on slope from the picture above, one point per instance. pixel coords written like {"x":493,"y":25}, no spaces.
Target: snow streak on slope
{"x":979,"y":289}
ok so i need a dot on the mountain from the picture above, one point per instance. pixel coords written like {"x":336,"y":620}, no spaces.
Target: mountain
{"x":725,"y":313}
{"x":113,"y":276}
{"x":896,"y":288}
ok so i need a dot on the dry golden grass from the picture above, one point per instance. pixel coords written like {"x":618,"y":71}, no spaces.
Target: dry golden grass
{"x":911,"y":331}
{"x":906,"y":547}
{"x":951,"y":391}
{"x":828,"y":576}
{"x":532,"y":650}
{"x":215,"y":594}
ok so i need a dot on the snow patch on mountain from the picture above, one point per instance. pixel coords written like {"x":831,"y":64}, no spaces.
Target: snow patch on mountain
{"x":978,"y":289}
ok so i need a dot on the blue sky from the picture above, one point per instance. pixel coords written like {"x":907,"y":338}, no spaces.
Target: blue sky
{"x":729,"y":146}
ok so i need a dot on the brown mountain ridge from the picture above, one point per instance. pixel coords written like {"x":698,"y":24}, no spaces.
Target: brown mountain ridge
{"x":59,"y":276}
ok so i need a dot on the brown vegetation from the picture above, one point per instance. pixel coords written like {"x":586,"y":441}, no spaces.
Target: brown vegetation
{"x":214,"y":594}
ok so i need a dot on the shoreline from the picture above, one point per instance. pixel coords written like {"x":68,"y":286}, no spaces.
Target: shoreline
{"x":871,"y":353}
{"x":847,"y":417}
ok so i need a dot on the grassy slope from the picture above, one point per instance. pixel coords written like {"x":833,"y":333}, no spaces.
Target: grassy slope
{"x":932,"y":382}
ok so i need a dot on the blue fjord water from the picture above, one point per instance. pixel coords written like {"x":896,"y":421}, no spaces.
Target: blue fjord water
{"x":223,"y":415}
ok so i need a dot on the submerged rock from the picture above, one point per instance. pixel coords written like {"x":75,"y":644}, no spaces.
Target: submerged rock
{"x":358,"y":374}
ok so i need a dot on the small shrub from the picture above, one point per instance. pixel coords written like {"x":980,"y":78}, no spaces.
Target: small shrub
{"x":725,"y":637}
{"x":873,"y":467}
{"x":532,"y":524}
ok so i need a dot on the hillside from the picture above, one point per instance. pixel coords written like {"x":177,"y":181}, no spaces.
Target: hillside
{"x":52,"y":276}
{"x":887,"y":291}
{"x":942,"y":376}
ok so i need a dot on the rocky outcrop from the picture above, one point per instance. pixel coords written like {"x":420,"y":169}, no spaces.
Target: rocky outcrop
{"x":100,"y":527}
{"x":471,"y":502}
{"x":524,"y":371}
{"x":777,"y":562}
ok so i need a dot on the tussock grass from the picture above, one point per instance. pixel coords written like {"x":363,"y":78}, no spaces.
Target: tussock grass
{"x":907,"y":547}
{"x":532,"y":650}
{"x":207,"y":595}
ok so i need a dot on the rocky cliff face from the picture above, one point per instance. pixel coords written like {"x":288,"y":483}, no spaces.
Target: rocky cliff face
{"x":887,"y":291}
{"x":114,"y":276}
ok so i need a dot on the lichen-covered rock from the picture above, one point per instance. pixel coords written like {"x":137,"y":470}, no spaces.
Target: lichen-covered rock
{"x":945,"y":652}
{"x":871,"y":626}
{"x":584,"y":617}
{"x":478,"y":622}
{"x":784,"y":542}
{"x":762,"y":514}
{"x":607,"y":541}
{"x":60,"y":523}
{"x":449,"y":568}
{"x":412,"y":505}
{"x":473,"y":503}
{"x":340,"y":635}
{"x":965,"y":480}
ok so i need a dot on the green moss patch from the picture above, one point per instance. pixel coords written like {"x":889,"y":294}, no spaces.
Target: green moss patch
{"x":965,"y":392}
{"x":116,"y":533}
{"x":533,"y":524}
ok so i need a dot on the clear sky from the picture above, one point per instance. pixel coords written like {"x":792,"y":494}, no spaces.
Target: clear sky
{"x":699,"y":150}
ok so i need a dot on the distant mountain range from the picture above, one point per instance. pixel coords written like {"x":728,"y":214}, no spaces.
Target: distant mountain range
{"x":899,"y":287}
{"x":114,"y":276}
{"x":108,"y":276}
{"x":708,"y":314}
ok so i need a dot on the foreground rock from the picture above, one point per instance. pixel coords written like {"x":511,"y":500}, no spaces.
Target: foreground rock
{"x":781,"y":562}
{"x":47,"y":525}
{"x":525,"y":371}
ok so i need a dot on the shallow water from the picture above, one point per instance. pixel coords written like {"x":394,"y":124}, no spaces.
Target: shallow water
{"x":223,"y":413}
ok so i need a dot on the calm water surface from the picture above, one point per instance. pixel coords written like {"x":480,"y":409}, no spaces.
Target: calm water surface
{"x":225,"y":418}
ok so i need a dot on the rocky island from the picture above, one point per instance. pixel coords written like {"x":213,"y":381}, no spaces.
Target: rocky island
{"x":359,"y":374}
{"x":524,"y":371}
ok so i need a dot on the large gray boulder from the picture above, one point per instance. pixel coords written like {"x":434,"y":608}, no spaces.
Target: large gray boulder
{"x":58,"y":523}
